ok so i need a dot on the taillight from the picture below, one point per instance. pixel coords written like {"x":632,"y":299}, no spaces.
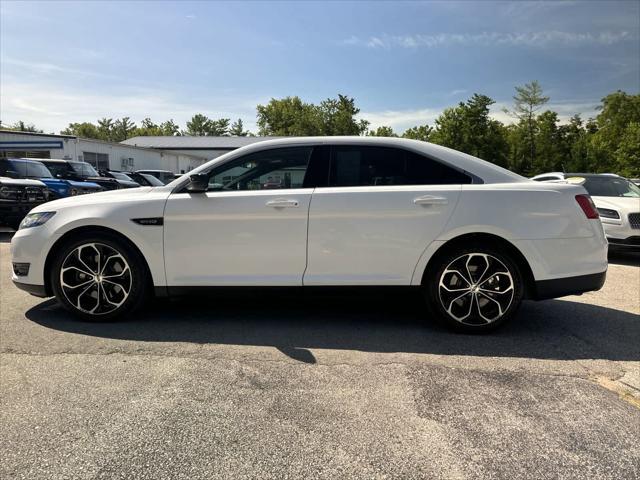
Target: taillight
{"x":587,"y":205}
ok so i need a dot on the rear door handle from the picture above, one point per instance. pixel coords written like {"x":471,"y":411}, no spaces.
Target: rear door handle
{"x":430,"y":200}
{"x":281,"y":203}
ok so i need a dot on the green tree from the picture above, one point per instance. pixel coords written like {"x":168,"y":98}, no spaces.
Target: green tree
{"x":528,"y":100}
{"x":105,"y":128}
{"x":548,"y":143}
{"x":169,"y":128}
{"x":82,"y":130}
{"x":382,"y":131}
{"x":198,"y":125}
{"x":20,"y":126}
{"x":290,"y":116}
{"x":219,"y":128}
{"x":573,"y":145}
{"x":468,"y":128}
{"x":618,"y":113}
{"x":627,"y":155}
{"x":338,"y":117}
{"x":122,"y":129}
{"x":237,"y":129}
{"x":421,"y":132}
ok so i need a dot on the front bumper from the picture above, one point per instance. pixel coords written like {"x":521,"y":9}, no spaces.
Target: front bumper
{"x":35,"y":290}
{"x":561,"y":287}
{"x":629,"y":242}
{"x":620,"y":232}
{"x":14,"y":212}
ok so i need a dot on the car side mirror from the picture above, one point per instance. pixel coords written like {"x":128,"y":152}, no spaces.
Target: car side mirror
{"x":198,"y":183}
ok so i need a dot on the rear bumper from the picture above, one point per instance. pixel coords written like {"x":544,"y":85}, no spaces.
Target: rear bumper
{"x":561,"y":287}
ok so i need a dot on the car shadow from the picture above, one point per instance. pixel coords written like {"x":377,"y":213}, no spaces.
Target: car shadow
{"x":294,"y":323}
{"x":624,"y":256}
{"x":6,"y":235}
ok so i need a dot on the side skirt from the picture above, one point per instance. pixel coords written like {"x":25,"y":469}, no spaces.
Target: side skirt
{"x":330,"y":291}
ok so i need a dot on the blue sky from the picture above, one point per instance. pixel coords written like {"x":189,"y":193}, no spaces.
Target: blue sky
{"x":403,"y":62}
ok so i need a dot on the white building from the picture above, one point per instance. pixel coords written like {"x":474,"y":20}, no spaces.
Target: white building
{"x":202,"y":147}
{"x":102,"y":155}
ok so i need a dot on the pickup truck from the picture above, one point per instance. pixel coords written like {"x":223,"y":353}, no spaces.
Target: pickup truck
{"x":17,"y":197}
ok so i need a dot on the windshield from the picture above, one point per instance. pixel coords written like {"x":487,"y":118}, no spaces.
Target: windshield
{"x":84,"y":169}
{"x":37,"y":170}
{"x":611,"y":187}
{"x":57,"y":169}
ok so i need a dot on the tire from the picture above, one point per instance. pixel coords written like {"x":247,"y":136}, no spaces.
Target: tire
{"x":474,"y":289}
{"x":99,"y":277}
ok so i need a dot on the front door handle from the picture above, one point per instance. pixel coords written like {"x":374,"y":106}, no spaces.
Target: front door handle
{"x":430,"y":200}
{"x":281,"y":203}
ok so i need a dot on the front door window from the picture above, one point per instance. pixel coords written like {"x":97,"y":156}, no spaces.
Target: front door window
{"x":280,"y":168}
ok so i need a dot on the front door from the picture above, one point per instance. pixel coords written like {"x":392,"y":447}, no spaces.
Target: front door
{"x":248,"y":229}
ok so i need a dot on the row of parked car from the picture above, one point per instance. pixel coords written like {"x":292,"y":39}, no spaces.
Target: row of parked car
{"x":26,"y":183}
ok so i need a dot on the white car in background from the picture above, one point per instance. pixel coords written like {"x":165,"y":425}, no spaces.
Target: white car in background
{"x":617,"y":200}
{"x":346,"y":212}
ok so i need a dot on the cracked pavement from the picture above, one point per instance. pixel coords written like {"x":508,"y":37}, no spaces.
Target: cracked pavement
{"x":277,"y":386}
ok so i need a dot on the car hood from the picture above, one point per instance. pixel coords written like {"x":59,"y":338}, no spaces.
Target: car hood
{"x":123,"y":195}
{"x":127,"y":183}
{"x":101,"y":179}
{"x":621,"y":204}
{"x":73,"y":183}
{"x":22,"y":182}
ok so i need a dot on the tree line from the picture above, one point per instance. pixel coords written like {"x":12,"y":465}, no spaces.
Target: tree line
{"x":535,"y":142}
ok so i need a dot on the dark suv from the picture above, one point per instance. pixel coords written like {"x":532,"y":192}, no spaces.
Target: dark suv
{"x":35,"y":170}
{"x":80,"y":172}
{"x":17,"y":197}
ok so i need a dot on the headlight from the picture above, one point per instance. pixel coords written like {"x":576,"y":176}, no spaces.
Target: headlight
{"x":35,"y":219}
{"x":608,"y":213}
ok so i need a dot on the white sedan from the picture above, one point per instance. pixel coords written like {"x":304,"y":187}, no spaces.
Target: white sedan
{"x":617,"y":200}
{"x":321,"y":212}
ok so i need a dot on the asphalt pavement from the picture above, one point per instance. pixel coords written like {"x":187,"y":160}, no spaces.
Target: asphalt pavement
{"x":283,"y":386}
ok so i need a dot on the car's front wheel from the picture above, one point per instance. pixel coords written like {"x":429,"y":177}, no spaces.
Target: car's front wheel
{"x":98,"y":277}
{"x":474,"y":289}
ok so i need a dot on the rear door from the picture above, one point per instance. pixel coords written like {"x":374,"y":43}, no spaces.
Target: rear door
{"x":382,"y":207}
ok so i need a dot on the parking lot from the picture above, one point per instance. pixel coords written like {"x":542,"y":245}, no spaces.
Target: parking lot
{"x":287,"y":387}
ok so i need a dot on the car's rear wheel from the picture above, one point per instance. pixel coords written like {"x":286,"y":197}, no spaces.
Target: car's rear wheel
{"x":474,"y":289}
{"x":99,"y":278}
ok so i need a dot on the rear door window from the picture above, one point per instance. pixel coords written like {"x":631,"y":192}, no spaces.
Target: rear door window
{"x":353,"y":166}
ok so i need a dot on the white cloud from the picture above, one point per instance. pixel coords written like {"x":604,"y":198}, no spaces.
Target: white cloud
{"x":455,"y":93}
{"x":400,"y":120}
{"x":53,"y":109}
{"x":529,"y":39}
{"x":44,"y":68}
